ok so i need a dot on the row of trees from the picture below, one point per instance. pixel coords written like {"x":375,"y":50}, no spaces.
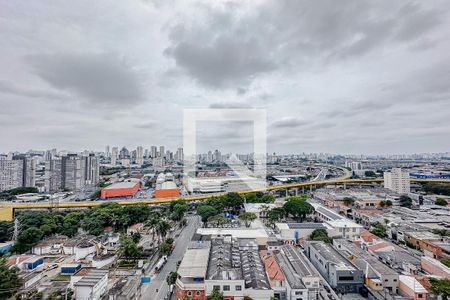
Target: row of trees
{"x":38,"y":225}
{"x":439,"y":188}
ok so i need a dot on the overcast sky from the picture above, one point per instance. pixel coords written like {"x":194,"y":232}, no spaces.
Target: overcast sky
{"x":335,"y":76}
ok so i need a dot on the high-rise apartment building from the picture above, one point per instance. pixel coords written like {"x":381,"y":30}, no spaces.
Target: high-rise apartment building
{"x":72,"y":172}
{"x":153,"y":151}
{"x":17,"y":172}
{"x":114,"y":155}
{"x":107,"y":154}
{"x":161,"y":151}
{"x":11,"y":174}
{"x":179,"y":155}
{"x":139,"y":155}
{"x":397,"y":180}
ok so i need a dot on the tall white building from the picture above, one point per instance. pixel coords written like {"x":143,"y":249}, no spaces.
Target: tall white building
{"x":161,"y":151}
{"x":153,"y":151}
{"x":11,"y":172}
{"x":139,"y":155}
{"x":114,"y":155}
{"x":17,"y":172}
{"x":397,"y":180}
{"x":179,"y":155}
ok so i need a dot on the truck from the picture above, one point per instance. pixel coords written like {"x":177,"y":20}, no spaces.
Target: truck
{"x":160,"y":264}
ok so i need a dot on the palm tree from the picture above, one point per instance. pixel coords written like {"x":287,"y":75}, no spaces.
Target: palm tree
{"x":152,"y":223}
{"x":162,"y":228}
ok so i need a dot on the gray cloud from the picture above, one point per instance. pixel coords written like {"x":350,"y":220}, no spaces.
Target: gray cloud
{"x":97,"y":78}
{"x":231,"y":45}
{"x":11,"y":88}
{"x":289,"y":122}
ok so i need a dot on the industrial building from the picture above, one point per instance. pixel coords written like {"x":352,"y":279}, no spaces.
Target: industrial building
{"x":120,"y":189}
{"x":340,"y":273}
{"x":166,"y":187}
{"x":302,"y":281}
{"x":92,"y":286}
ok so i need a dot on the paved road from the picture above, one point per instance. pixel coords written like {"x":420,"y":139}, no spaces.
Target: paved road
{"x":159,"y":281}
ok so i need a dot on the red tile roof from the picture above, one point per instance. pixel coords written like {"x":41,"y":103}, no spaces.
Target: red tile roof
{"x":273,"y":270}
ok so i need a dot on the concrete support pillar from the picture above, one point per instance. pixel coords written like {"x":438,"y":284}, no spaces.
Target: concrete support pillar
{"x":296,"y":191}
{"x":303,"y":189}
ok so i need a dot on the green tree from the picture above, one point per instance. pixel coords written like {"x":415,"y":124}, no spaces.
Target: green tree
{"x":379,"y":230}
{"x":446,"y":262}
{"x":219,"y":220}
{"x":27,"y":239}
{"x":298,"y":208}
{"x":320,"y":235}
{"x":171,"y":278}
{"x":216,"y":295}
{"x":348,"y":201}
{"x":128,"y":248}
{"x":232,"y":202}
{"x":10,"y":282}
{"x":162,"y":228}
{"x":370,"y":174}
{"x":251,"y":198}
{"x":440,"y":188}
{"x":405,"y":201}
{"x":275,"y":214}
{"x":388,"y":203}
{"x":165,"y":248}
{"x":71,"y":223}
{"x":6,"y":230}
{"x":206,"y":211}
{"x":440,"y":287}
{"x":247,"y":217}
{"x":441,"y":202}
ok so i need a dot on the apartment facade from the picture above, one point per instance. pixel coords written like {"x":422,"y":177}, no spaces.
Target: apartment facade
{"x":397,"y":180}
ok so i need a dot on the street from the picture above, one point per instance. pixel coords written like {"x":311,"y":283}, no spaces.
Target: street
{"x":149,"y":291}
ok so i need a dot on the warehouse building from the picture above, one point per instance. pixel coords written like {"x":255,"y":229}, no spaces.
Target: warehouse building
{"x":120,"y":189}
{"x":336,"y":269}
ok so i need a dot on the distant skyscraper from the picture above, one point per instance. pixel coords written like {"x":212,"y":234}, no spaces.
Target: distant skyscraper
{"x":146,"y":153}
{"x":217,"y":156}
{"x":161,"y":151}
{"x":124,"y":153}
{"x":114,"y":155}
{"x":397,"y":180}
{"x":139,"y":155}
{"x":209,"y":157}
{"x":154,"y":151}
{"x":179,"y":156}
{"x":107,"y":151}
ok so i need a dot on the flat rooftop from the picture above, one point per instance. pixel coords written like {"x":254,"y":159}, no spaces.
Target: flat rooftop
{"x":121,"y":185}
{"x":92,"y":277}
{"x":194,"y":263}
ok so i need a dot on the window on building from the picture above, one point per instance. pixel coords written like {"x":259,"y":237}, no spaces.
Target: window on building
{"x":216,"y":287}
{"x":189,"y":293}
{"x":346,"y":278}
{"x":299,"y":293}
{"x":197,"y":293}
{"x":226,"y":287}
{"x":238,"y":288}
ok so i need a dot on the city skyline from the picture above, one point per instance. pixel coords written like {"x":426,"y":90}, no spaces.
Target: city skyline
{"x":375,"y":83}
